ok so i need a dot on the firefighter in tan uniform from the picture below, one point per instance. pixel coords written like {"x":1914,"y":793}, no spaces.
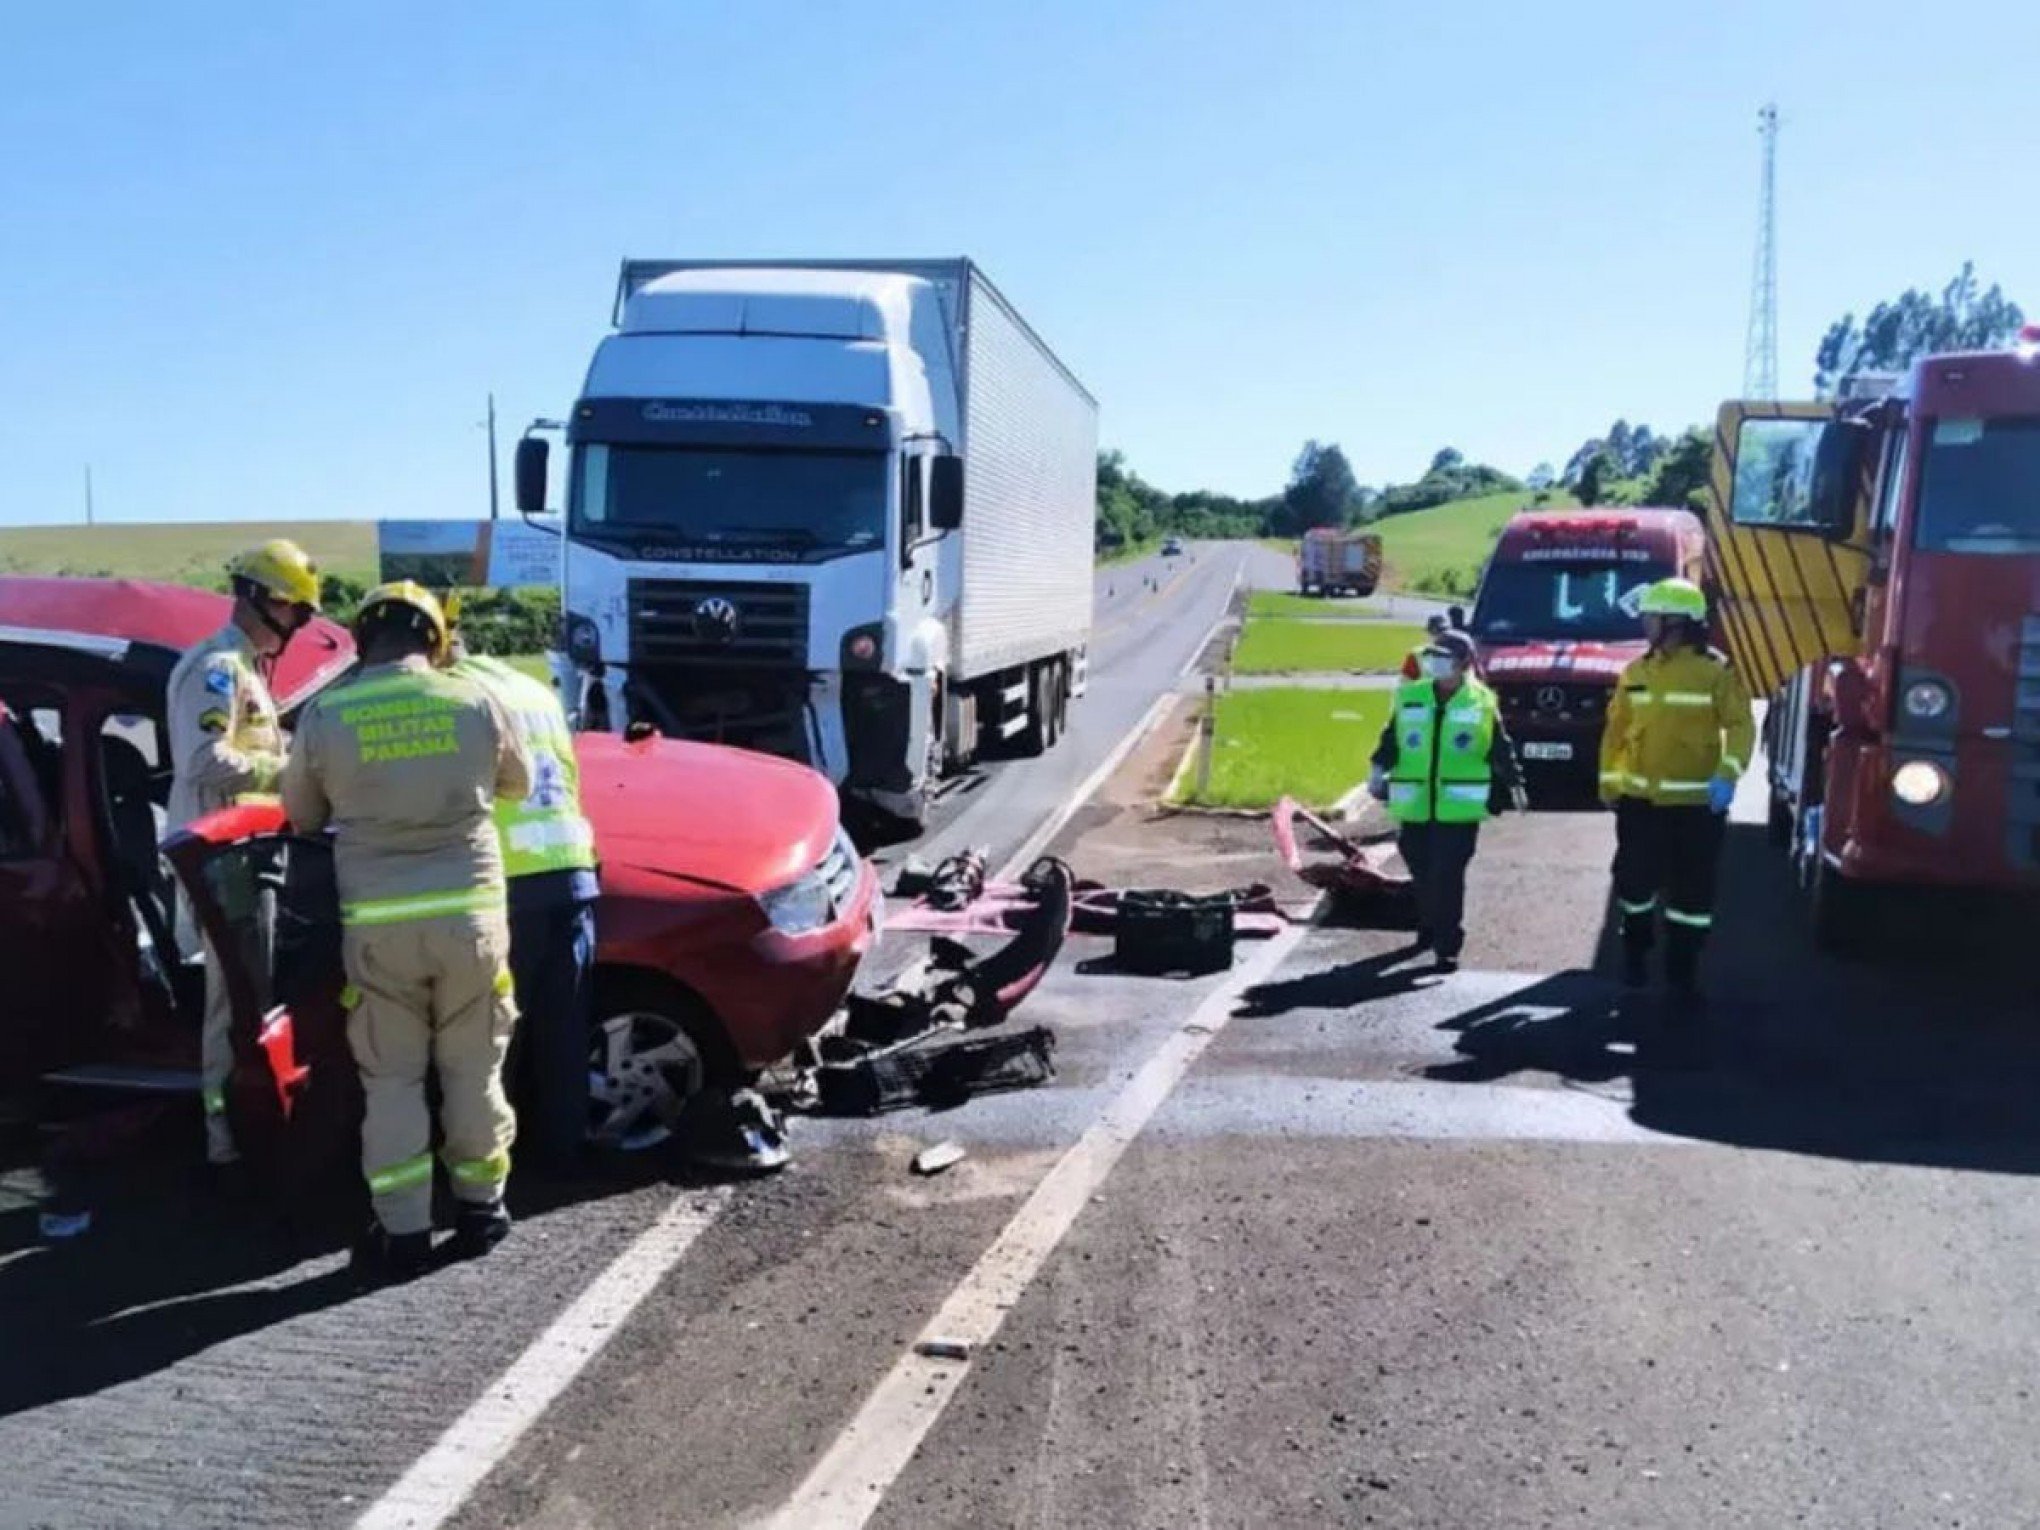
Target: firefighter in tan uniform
{"x":406,"y":763}
{"x":226,"y":747}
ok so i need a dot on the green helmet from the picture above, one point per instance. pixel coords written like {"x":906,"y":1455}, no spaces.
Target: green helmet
{"x":1675,"y":597}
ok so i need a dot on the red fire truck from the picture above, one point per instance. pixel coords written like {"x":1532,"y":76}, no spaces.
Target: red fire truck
{"x":1878,"y":559}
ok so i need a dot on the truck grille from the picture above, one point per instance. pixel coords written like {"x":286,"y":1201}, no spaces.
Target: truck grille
{"x":713,"y":622}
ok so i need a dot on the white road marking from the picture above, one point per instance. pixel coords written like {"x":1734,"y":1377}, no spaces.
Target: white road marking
{"x":433,"y":1490}
{"x":1057,"y":821}
{"x":441,"y":1480}
{"x":1043,"y":837}
{"x":851,"y":1480}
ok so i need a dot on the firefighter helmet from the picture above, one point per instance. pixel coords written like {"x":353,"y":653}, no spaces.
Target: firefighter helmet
{"x":279,"y":568}
{"x":409,"y":602}
{"x":1675,"y":597}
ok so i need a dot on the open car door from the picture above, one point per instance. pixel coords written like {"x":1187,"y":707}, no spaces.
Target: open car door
{"x":268,"y":904}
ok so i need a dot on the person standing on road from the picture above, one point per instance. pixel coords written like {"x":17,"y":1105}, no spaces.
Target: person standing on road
{"x":1435,"y":627}
{"x":1677,"y":737}
{"x":407,"y":762}
{"x":549,"y":861}
{"x":226,"y":746}
{"x":1443,"y":765}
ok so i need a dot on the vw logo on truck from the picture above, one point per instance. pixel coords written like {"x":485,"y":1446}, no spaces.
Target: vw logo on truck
{"x":716,"y":620}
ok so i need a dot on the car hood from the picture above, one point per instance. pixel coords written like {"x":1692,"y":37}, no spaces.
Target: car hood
{"x":1539,"y":660}
{"x":703,"y":813}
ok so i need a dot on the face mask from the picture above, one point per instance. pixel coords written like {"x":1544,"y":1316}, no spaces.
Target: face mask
{"x":1439,"y":666}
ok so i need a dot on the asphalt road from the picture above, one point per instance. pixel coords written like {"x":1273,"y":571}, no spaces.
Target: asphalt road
{"x":1325,"y":1240}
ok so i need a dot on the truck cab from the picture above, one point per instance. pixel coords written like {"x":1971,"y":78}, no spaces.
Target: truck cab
{"x":771,"y":539}
{"x":1880,"y":558}
{"x":1556,"y":622}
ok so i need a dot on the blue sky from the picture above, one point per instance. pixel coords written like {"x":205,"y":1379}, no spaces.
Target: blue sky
{"x":269,"y":264}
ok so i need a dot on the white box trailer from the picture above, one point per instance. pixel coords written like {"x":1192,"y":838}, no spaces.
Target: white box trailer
{"x":840,"y":509}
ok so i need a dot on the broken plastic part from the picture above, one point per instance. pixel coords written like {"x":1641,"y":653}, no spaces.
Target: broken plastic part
{"x":943,"y":1155}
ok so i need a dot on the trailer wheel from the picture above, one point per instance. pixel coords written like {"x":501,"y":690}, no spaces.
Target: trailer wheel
{"x":1055,"y":701}
{"x":1033,"y":738}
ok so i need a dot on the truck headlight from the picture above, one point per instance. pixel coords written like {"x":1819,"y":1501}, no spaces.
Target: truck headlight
{"x":582,"y":641}
{"x":1920,"y":783}
{"x":1928,"y":699}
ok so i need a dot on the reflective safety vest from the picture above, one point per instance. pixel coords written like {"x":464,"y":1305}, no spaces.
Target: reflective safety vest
{"x":545,"y":830}
{"x":1441,"y":771}
{"x":1677,"y":722}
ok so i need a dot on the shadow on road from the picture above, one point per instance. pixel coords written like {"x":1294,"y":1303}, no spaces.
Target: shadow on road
{"x":1340,"y":988}
{"x":1930,"y":1056}
{"x":171,"y":1267}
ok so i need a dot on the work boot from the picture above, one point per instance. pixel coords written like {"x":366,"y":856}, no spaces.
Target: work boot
{"x":383,"y":1258}
{"x":479,"y":1226}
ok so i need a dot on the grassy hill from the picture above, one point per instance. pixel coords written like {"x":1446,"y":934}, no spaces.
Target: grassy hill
{"x":194,"y":553}
{"x":1441,"y":551}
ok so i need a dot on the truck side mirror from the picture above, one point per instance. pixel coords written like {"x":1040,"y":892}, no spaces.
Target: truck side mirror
{"x":945,"y":492}
{"x":1837,"y":474}
{"x":533,"y":455}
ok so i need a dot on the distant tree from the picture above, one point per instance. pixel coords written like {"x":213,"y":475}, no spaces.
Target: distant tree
{"x":1542,"y":477}
{"x":1576,"y":464}
{"x":1916,"y":324}
{"x":1447,"y":460}
{"x":1322,"y":490}
{"x":1599,"y":478}
{"x":1681,"y":475}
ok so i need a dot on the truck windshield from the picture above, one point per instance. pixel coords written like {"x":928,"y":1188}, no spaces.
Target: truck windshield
{"x":1570,"y":602}
{"x":732,"y":502}
{"x":1980,"y":487}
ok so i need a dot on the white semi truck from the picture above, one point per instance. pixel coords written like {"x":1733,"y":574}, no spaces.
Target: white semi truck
{"x":840,"y":511}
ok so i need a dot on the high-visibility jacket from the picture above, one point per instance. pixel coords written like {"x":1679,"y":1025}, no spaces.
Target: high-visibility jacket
{"x":1442,"y":770}
{"x":544,"y":830}
{"x":225,"y":741}
{"x":406,"y":762}
{"x":1677,"y":722}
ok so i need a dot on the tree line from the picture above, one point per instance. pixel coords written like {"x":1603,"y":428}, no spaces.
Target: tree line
{"x":1627,"y":464}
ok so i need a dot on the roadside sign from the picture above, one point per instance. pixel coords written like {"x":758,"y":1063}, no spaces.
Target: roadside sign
{"x":444,"y":554}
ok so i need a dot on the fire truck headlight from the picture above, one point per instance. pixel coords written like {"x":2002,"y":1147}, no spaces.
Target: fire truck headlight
{"x":1920,"y":783}
{"x":1927,"y":700}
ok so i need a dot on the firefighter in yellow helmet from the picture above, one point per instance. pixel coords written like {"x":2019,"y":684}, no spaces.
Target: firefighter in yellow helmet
{"x":406,"y":763}
{"x":226,"y":746}
{"x":1678,"y":735}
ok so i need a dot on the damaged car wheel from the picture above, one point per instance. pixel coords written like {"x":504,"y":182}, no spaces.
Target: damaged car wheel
{"x":643,"y":1068}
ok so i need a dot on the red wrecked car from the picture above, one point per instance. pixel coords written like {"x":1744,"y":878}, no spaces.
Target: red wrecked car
{"x":734,"y":912}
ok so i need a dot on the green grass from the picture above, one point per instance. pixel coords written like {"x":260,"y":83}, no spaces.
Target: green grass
{"x":1127,"y":552}
{"x":1441,"y":551}
{"x":194,"y":553}
{"x":1279,"y":647}
{"x":1307,"y":744}
{"x":1279,"y":603}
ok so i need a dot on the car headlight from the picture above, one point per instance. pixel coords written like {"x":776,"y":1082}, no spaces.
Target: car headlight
{"x":1920,"y":783}
{"x":799,"y":907}
{"x":1928,"y":699}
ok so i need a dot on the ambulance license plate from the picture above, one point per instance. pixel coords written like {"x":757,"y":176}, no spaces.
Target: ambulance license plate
{"x":1541,"y":751}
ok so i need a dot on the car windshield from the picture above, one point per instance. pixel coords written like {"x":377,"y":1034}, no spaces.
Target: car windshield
{"x":1980,"y":487}
{"x":733,"y":503}
{"x":1572,"y":602}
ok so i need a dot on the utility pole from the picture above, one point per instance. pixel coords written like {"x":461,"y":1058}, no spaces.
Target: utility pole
{"x":1760,"y":353}
{"x":88,"y":494}
{"x":493,"y":509}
